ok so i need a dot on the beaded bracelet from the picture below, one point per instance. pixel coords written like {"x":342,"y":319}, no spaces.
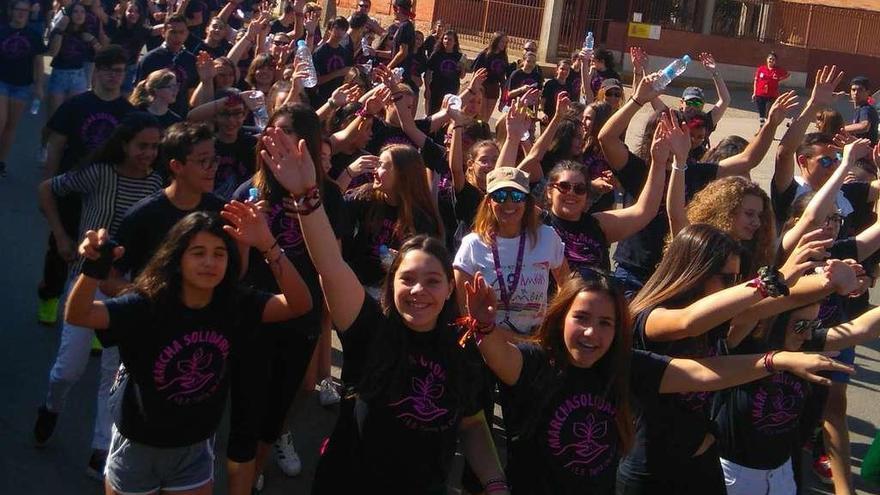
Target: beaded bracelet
{"x":307,"y":202}
{"x":364,"y":113}
{"x":768,"y":361}
{"x":473,"y":328}
{"x":769,"y":283}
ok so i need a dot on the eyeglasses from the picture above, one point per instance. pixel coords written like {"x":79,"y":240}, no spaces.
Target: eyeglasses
{"x":694,"y":103}
{"x":801,"y":326}
{"x":828,"y":161}
{"x":729,"y":279}
{"x":566,"y":187}
{"x":503,"y":195}
{"x":835,"y":218}
{"x":613,"y":94}
{"x":204,"y":163}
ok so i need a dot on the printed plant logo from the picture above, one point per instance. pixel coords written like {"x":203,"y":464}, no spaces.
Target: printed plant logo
{"x":421,"y":408}
{"x":775,"y":408}
{"x":15,"y":47}
{"x":581,"y":435}
{"x":190,"y":368}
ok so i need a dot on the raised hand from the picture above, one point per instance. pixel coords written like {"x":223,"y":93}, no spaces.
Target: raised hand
{"x":340,"y":94}
{"x":809,"y":253}
{"x":660,"y":145}
{"x":708,"y":62}
{"x":781,"y":107}
{"x":827,"y":79}
{"x":377,"y":101}
{"x":363,"y":165}
{"x":603,"y":184}
{"x":290,"y":162}
{"x":480,"y":300}
{"x":645,"y":91}
{"x":562,"y":103}
{"x":856,"y":150}
{"x":807,"y":364}
{"x":479,"y":78}
{"x":205,"y":66}
{"x":517,"y":121}
{"x":639,"y":60}
{"x":679,"y":136}
{"x":90,"y":247}
{"x":247,"y":225}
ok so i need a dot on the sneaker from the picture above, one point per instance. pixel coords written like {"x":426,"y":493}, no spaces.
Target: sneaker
{"x":45,"y":426}
{"x":327,"y":393}
{"x":258,"y":485}
{"x":286,"y":456}
{"x":95,"y":469}
{"x":822,"y":469}
{"x":47,"y":311}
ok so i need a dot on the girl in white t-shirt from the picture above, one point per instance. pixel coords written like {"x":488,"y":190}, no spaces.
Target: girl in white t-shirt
{"x":513,"y":251}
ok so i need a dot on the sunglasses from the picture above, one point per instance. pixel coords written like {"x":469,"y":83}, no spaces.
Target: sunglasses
{"x":729,"y":279}
{"x":566,"y":187}
{"x":801,"y":326}
{"x":503,"y":195}
{"x":280,"y":42}
{"x":834,"y":218}
{"x":613,"y":94}
{"x":828,"y":161}
{"x":694,"y":103}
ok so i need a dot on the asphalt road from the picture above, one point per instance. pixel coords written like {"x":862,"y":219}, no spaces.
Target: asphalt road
{"x":28,"y":349}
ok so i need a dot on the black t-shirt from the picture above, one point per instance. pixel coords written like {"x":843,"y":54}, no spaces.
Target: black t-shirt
{"x":236,"y":163}
{"x":73,"y":53}
{"x":175,"y":364}
{"x":18,"y":50}
{"x":433,"y":154}
{"x":87,"y":122}
{"x":863,"y":216}
{"x":445,"y":76}
{"x":573,"y":81}
{"x":131,"y":38}
{"x":642,"y":251}
{"x":198,"y":45}
{"x":409,"y":439}
{"x":167,"y":119}
{"x":405,"y":35}
{"x":869,"y":113}
{"x":562,"y":430}
{"x":329,"y":59}
{"x":466,"y":203}
{"x":586,"y":247}
{"x":673,"y":427}
{"x":183,"y":64}
{"x":520,"y":78}
{"x":757,"y":422}
{"x":144,"y":227}
{"x":552,"y":88}
{"x":495,"y":63}
{"x":277,"y":26}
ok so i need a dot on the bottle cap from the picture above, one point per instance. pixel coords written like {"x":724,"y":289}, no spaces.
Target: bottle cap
{"x":301,"y":43}
{"x":686,"y":59}
{"x":253,"y":194}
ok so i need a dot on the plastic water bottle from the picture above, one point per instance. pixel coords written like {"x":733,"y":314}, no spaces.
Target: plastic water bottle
{"x":258,"y":105}
{"x":589,"y":41}
{"x":365,"y":46}
{"x":35,"y":106}
{"x":398,"y":73}
{"x":386,"y":258}
{"x":253,"y":195}
{"x":453,"y":102}
{"x":302,"y":54}
{"x":673,"y":70}
{"x":368,"y":67}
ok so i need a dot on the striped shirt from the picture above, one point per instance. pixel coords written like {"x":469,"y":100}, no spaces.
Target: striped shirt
{"x":106,"y":196}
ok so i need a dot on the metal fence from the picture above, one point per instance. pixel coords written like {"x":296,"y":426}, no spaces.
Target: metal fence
{"x":826,"y":28}
{"x":477,"y":20}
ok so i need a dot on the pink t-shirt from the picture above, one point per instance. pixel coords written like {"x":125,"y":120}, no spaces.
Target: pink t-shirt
{"x":767,"y":81}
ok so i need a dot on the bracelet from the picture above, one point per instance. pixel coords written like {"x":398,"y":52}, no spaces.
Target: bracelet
{"x":332,"y":104}
{"x":680,"y":169}
{"x":634,"y":100}
{"x":496,"y":485}
{"x":768,"y":361}
{"x":269,"y":251}
{"x":277,"y":258}
{"x":364,"y":113}
{"x":307,"y":202}
{"x":473,"y":328}
{"x":769,"y":283}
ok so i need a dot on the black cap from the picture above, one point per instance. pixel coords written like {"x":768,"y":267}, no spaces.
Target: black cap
{"x":403,"y":4}
{"x":860,"y":81}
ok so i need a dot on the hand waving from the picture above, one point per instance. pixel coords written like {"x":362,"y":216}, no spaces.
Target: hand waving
{"x":827,"y":78}
{"x":290,"y":162}
{"x":247,"y":225}
{"x":480,"y":300}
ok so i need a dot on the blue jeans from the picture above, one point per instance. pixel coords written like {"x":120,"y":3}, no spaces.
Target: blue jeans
{"x":130,"y":75}
{"x":22,"y":93}
{"x":68,"y":81}
{"x":630,"y":281}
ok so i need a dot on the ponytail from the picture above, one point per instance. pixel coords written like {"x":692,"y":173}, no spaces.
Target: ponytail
{"x":140,"y":96}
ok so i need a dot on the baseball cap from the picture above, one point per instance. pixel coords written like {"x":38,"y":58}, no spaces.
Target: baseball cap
{"x":503,"y":177}
{"x":611,"y":83}
{"x":692,"y":93}
{"x":403,"y":4}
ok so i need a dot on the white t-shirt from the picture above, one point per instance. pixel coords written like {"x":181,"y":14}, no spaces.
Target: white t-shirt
{"x":528,"y":304}
{"x":843,"y":204}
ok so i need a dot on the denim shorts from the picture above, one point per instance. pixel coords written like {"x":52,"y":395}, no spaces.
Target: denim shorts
{"x":68,"y":81}
{"x":130,"y":75}
{"x":134,"y":468}
{"x":741,"y":480}
{"x":23,"y":93}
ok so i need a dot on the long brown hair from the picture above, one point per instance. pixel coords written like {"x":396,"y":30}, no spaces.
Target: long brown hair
{"x":307,"y":126}
{"x":614,"y":366}
{"x":698,"y":252}
{"x":486,"y":225}
{"x":411,"y":194}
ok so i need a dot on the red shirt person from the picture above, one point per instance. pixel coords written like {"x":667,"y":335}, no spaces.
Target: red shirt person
{"x":766,"y":86}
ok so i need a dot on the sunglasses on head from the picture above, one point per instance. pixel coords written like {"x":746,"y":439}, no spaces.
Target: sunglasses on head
{"x":503,"y":195}
{"x":810,"y":326}
{"x":566,"y":187}
{"x":828,"y":161}
{"x":694,"y":103}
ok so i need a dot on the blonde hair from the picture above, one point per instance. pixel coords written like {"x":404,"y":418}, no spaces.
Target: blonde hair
{"x":486,"y":225}
{"x":145,"y":90}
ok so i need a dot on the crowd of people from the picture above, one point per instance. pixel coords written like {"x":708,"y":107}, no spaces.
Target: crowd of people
{"x":216,"y":210}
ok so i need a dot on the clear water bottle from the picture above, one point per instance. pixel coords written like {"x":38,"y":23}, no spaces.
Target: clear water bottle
{"x":253,"y":195}
{"x":258,"y":107}
{"x":673,"y":70}
{"x":386,"y":257}
{"x":398,"y":73}
{"x":368,"y":67}
{"x":589,"y":41}
{"x":303,"y":54}
{"x":35,"y":106}
{"x":453,"y":102}
{"x":365,"y":46}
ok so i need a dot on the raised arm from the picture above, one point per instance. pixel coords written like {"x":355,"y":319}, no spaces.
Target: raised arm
{"x":611,"y":135}
{"x":516,"y":123}
{"x":532,"y":162}
{"x":502,"y":357}
{"x":620,"y":224}
{"x":861,"y":330}
{"x":81,"y":308}
{"x":742,"y":163}
{"x":292,"y":166}
{"x":204,"y":92}
{"x":827,"y":79}
{"x":708,"y":62}
{"x":824,"y":202}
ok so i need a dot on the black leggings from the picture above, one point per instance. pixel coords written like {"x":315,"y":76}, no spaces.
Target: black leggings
{"x":763,"y":103}
{"x":697,"y":475}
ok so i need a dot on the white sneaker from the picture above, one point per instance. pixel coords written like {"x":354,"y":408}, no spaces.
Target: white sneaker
{"x":258,"y":486}
{"x":327,"y":394}
{"x":286,"y":456}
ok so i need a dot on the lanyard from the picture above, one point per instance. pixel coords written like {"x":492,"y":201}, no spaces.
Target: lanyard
{"x":502,"y":283}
